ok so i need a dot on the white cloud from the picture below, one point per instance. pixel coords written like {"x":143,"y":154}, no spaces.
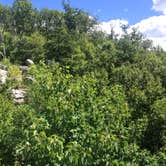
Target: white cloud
{"x":159,"y":5}
{"x":115,"y":24}
{"x":154,"y":28}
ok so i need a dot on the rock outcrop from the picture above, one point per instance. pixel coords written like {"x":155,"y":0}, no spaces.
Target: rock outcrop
{"x":18,"y":95}
{"x":3,"y":76}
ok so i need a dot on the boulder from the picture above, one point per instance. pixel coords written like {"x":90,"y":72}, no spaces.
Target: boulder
{"x":24,"y":68}
{"x":3,"y":76}
{"x":18,"y":95}
{"x":29,"y":62}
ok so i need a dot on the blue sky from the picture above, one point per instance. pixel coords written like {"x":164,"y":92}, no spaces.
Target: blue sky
{"x":104,"y":10}
{"x":149,"y":16}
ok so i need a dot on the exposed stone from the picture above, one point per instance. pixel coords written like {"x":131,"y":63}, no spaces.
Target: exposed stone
{"x":18,"y":95}
{"x":29,"y":62}
{"x":3,"y":76}
{"x":24,"y":68}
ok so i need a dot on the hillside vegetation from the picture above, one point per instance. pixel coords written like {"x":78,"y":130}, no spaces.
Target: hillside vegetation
{"x":90,"y":98}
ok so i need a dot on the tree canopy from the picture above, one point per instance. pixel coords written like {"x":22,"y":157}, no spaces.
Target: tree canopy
{"x":90,"y":98}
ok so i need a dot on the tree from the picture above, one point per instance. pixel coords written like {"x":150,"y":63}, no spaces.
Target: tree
{"x":147,"y":44}
{"x":5,"y":18}
{"x":22,"y":17}
{"x":155,"y":135}
{"x":49,"y":21}
{"x":128,"y":45}
{"x":77,"y":20}
{"x":29,"y":47}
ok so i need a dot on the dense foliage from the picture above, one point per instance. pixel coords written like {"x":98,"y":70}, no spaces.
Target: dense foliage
{"x":91,"y":98}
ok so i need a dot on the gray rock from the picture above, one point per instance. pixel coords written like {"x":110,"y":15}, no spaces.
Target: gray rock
{"x":24,"y":68}
{"x":18,"y":95}
{"x":29,"y":62}
{"x":3,"y":76}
